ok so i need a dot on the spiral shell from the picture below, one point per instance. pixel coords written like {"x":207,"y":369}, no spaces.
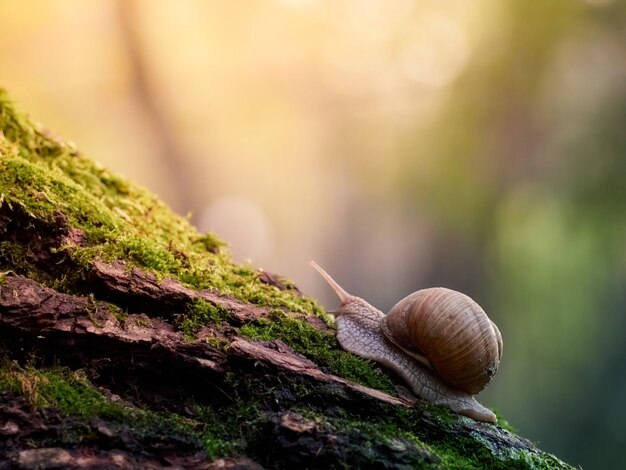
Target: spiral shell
{"x":451,"y":333}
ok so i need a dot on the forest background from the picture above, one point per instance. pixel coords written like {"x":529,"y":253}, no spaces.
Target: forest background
{"x":402,"y":144}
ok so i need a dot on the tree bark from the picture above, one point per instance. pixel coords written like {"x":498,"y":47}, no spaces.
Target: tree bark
{"x":116,"y":356}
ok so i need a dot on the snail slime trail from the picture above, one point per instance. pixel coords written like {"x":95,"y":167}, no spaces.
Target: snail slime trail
{"x":441,"y":342}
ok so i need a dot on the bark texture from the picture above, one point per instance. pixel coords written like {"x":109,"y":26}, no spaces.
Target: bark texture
{"x":128,"y":340}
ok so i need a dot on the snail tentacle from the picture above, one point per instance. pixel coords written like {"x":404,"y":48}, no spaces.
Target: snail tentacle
{"x":341,"y":293}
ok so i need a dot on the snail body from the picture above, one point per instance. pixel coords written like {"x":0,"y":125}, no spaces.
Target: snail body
{"x":439,"y":341}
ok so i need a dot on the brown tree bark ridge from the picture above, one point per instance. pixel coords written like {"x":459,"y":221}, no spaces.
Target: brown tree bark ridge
{"x":90,"y":331}
{"x":128,"y":340}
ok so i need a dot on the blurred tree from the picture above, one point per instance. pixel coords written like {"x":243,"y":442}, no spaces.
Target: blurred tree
{"x":171,"y":155}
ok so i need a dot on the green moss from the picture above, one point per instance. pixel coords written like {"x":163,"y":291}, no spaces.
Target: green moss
{"x":148,"y":255}
{"x":210,"y":242}
{"x":217,"y":343}
{"x":456,"y":451}
{"x":460,"y":451}
{"x":74,"y":395}
{"x":465,"y":454}
{"x":120,"y":315}
{"x":317,"y":345}
{"x":200,"y":313}
{"x":504,"y":423}
{"x":67,"y":391}
{"x":11,"y":254}
{"x":225,"y":429}
{"x":442,"y":415}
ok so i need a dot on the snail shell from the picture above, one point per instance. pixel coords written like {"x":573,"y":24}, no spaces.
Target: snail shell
{"x":449,"y":332}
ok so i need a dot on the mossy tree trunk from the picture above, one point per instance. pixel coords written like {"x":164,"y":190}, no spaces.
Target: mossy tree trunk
{"x":129,"y":340}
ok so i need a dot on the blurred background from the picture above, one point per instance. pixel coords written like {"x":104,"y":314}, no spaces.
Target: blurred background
{"x":402,"y":144}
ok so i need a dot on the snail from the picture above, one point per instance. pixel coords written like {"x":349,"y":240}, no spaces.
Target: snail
{"x":438,"y":340}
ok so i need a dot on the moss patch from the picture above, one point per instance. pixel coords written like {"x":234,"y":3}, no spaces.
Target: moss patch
{"x":74,"y":395}
{"x":225,"y":430}
{"x":504,"y":423}
{"x":200,"y":313}
{"x":68,"y":391}
{"x":318,"y":346}
{"x":465,"y":454}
